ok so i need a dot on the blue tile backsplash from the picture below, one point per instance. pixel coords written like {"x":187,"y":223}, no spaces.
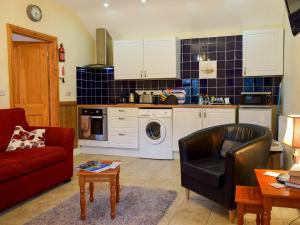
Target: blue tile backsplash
{"x":97,"y":86}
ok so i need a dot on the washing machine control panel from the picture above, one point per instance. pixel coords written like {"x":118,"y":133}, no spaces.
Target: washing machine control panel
{"x":155,"y":113}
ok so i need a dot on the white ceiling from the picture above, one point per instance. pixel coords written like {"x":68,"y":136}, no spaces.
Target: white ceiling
{"x":184,"y":18}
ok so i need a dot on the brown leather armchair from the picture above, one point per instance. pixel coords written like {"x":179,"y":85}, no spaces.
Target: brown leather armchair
{"x":205,"y":171}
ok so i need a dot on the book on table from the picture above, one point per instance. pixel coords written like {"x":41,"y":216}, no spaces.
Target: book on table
{"x":289,"y":184}
{"x":96,"y":166}
{"x":295,"y":170}
{"x":295,"y":180}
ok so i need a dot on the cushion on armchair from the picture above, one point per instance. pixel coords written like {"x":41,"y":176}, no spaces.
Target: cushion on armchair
{"x":227,"y":145}
{"x":209,"y":170}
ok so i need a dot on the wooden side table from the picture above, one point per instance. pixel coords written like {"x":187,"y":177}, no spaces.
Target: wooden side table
{"x":112,"y":176}
{"x":281,"y":197}
{"x":249,"y":200}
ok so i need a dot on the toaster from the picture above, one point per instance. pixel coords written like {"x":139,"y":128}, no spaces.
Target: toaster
{"x":146,"y":98}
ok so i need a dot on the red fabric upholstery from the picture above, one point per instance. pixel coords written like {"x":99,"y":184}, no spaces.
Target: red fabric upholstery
{"x":24,"y":173}
{"x":9,"y":119}
{"x":9,"y":169}
{"x":35,"y":158}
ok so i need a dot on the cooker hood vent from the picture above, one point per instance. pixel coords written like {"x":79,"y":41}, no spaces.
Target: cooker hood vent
{"x":104,"y":50}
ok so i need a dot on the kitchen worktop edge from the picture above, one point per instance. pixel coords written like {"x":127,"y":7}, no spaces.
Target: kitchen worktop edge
{"x":130,"y":105}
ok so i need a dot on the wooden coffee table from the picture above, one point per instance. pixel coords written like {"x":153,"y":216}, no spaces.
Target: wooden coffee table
{"x":112,"y":176}
{"x":282,"y":197}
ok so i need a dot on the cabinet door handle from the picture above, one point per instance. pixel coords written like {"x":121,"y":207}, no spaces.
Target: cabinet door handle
{"x":121,"y":110}
{"x":121,"y":118}
{"x":121,"y":134}
{"x":141,"y":72}
{"x":200,"y":114}
{"x":204,"y":114}
{"x":245,"y":70}
{"x":145,"y":73}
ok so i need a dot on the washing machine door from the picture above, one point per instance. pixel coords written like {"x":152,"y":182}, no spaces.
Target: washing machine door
{"x":155,"y":132}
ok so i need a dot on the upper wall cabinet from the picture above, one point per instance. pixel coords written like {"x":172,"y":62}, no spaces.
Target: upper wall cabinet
{"x":263,"y":52}
{"x":157,"y":58}
{"x":128,"y":59}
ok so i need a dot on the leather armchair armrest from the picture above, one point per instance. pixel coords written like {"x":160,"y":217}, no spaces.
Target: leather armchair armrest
{"x":201,"y":144}
{"x":241,"y":161}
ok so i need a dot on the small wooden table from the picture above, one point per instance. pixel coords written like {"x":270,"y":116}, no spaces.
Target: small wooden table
{"x":112,"y":176}
{"x":282,"y":197}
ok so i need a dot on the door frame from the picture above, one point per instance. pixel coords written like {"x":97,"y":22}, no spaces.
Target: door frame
{"x":53,"y":68}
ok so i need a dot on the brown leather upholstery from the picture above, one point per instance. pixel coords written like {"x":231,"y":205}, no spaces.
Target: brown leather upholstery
{"x":205,"y":172}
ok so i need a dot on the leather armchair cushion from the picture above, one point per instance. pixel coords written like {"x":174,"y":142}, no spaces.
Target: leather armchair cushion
{"x":208,"y":170}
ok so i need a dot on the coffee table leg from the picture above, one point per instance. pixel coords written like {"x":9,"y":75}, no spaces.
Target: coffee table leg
{"x":91,"y":188}
{"x":267,"y":205}
{"x":82,"y":198}
{"x":118,"y":186}
{"x":113,"y":196}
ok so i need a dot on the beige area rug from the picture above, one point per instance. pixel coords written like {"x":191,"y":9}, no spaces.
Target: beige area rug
{"x":137,"y":206}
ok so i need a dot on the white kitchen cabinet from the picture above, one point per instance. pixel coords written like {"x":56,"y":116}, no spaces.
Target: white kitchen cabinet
{"x":258,"y":116}
{"x":263,"y":52}
{"x":185,"y":121}
{"x":128,"y":59}
{"x":161,"y":57}
{"x":123,"y":127}
{"x":157,"y":58}
{"x":215,"y":117}
{"x":189,"y":120}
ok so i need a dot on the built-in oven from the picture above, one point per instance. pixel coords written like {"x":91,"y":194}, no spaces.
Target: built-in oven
{"x":256,"y":98}
{"x":92,"y":124}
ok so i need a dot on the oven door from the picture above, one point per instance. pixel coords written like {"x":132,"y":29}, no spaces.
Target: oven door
{"x":95,"y":129}
{"x":99,"y":128}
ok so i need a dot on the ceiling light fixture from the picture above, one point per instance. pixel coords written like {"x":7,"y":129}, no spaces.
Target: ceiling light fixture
{"x":143,"y":1}
{"x":106,"y":5}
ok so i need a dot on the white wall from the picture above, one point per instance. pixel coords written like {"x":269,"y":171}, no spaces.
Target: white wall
{"x":58,"y":21}
{"x":291,"y":80}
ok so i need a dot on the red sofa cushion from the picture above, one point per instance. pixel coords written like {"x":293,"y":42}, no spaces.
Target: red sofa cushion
{"x":9,"y":119}
{"x":9,"y":169}
{"x":35,"y":158}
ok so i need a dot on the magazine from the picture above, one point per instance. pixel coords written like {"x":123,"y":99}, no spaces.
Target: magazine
{"x":96,"y":166}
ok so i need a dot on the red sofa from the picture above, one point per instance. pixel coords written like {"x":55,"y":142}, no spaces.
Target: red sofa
{"x":24,"y":173}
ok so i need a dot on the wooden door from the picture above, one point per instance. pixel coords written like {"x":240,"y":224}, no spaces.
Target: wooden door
{"x":128,"y":59}
{"x":30,"y":79}
{"x":161,"y":57}
{"x":185,"y":122}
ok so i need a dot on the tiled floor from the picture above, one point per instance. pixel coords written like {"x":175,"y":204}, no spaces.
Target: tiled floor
{"x":148,"y":173}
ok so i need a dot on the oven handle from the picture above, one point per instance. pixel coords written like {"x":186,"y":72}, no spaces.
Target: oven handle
{"x":96,"y":117}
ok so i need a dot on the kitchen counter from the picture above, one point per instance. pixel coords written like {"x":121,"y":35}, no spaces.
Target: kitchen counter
{"x":158,"y":106}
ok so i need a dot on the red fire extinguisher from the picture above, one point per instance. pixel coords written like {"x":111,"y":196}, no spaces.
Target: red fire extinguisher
{"x":61,"y":53}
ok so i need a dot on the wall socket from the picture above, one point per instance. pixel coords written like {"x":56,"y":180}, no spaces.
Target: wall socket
{"x":2,"y":92}
{"x":68,"y":93}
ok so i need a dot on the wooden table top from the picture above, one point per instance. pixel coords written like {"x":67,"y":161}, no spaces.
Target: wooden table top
{"x":102,"y":173}
{"x":269,"y":191}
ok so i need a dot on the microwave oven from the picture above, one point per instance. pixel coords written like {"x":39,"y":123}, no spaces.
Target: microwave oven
{"x":256,"y":98}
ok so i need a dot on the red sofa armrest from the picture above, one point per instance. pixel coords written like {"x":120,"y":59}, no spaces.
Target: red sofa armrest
{"x":61,"y":137}
{"x":58,"y":136}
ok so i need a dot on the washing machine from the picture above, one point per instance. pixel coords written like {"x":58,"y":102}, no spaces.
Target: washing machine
{"x":155,"y":133}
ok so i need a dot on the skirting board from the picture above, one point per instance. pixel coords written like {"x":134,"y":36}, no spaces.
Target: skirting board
{"x":112,"y":151}
{"x":76,"y":151}
{"x":109,"y":151}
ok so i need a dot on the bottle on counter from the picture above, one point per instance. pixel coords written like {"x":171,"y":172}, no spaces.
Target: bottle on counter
{"x":201,"y":102}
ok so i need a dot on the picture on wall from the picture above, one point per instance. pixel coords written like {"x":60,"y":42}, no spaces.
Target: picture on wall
{"x":207,"y":69}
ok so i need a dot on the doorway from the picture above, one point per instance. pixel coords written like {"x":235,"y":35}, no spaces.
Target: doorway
{"x":33,"y":75}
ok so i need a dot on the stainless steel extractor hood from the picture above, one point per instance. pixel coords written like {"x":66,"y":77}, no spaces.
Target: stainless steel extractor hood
{"x":104,"y":50}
